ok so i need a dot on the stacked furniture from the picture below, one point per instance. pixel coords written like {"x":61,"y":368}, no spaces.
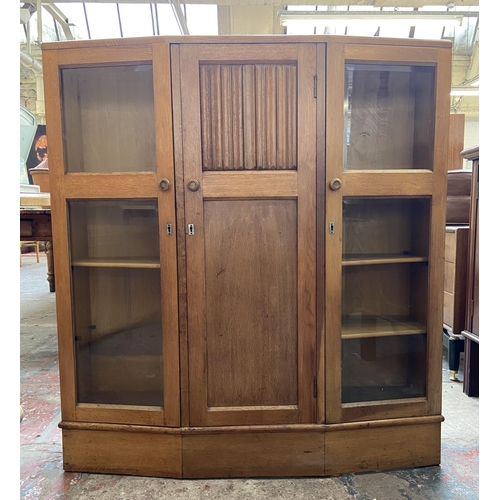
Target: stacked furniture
{"x":471,"y":329}
{"x":249,"y":240}
{"x":458,"y":206}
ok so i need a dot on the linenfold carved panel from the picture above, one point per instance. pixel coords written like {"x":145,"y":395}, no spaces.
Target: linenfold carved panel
{"x":249,"y":116}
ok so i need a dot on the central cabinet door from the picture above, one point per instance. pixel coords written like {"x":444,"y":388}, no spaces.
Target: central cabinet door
{"x":249,"y":159}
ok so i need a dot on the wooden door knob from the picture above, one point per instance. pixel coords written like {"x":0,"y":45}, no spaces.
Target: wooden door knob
{"x":193,"y":185}
{"x":164,"y":184}
{"x":335,"y":184}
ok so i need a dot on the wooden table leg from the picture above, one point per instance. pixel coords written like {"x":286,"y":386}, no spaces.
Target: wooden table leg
{"x":50,"y":267}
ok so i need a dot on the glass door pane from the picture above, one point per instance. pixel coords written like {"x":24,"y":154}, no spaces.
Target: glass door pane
{"x":108,"y":119}
{"x":384,"y":308}
{"x":115,"y":263}
{"x":389,"y":117}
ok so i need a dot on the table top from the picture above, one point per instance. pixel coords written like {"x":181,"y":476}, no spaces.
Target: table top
{"x":35,"y":201}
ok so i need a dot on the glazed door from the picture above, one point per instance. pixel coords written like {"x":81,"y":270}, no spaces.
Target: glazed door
{"x":115,"y":235}
{"x":385,"y":232}
{"x":249,"y":153}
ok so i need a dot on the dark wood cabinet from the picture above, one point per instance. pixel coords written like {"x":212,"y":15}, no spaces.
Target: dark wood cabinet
{"x":455,"y":282}
{"x":471,"y":331}
{"x":248,"y":239}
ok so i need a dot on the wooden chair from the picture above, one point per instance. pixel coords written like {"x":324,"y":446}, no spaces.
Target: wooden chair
{"x":36,"y":244}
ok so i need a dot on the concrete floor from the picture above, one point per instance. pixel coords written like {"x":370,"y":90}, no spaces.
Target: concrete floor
{"x":42,"y":476}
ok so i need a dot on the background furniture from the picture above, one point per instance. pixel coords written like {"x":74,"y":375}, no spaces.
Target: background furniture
{"x":36,"y":225}
{"x":458,"y":204}
{"x":35,"y":244}
{"x":455,"y":273}
{"x":471,"y":330}
{"x":248,"y":252}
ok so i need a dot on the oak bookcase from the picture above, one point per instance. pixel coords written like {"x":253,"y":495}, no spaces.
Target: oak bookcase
{"x":249,"y":249}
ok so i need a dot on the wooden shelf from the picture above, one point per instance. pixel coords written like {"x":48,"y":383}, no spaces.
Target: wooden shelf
{"x":371,"y":259}
{"x":134,"y":263}
{"x":359,"y":328}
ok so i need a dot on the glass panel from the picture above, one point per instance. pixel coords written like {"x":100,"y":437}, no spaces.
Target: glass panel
{"x":136,"y":19}
{"x":116,"y":301}
{"x":108,"y":119}
{"x":376,"y":369}
{"x":102,"y":20}
{"x":384,"y":305}
{"x":389,"y":117}
{"x":202,"y":19}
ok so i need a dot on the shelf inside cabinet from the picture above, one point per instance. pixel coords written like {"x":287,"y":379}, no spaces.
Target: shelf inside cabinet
{"x":389,"y":258}
{"x":133,"y":263}
{"x":376,"y":326}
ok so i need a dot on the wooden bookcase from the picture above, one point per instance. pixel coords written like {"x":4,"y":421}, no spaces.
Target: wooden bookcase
{"x":249,"y":241}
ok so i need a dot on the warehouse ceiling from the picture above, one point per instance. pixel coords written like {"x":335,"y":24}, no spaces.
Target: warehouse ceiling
{"x":457,"y":21}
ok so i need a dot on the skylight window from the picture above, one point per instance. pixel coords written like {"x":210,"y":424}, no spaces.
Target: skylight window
{"x":96,"y":20}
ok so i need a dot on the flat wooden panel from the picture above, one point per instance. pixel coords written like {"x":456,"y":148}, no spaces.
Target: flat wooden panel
{"x":119,"y":414}
{"x":97,"y":185}
{"x":253,"y":454}
{"x":377,"y":411}
{"x":448,"y":309}
{"x":371,"y":52}
{"x":251,"y":302}
{"x":380,"y":183}
{"x":36,"y":226}
{"x":249,"y":184}
{"x":81,"y":56}
{"x":248,"y":116}
{"x":382,"y":448}
{"x":248,"y":52}
{"x":114,"y":452}
{"x":449,"y":277}
{"x":450,"y":246}
{"x":456,"y":142}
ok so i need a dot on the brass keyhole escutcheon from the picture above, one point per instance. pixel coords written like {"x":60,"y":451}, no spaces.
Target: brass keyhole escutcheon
{"x":335,"y":184}
{"x":193,"y":185}
{"x":164,"y":184}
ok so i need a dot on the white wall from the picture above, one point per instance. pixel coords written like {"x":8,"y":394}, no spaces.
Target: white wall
{"x":471,"y":135}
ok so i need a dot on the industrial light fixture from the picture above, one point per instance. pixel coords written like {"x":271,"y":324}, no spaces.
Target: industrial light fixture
{"x":465,"y":91}
{"x":449,"y":18}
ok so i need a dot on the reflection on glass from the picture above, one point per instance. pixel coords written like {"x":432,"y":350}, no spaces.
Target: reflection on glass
{"x":389,"y":117}
{"x":384,"y":368}
{"x":116,"y":297}
{"x":384,"y":305}
{"x":108,"y":119}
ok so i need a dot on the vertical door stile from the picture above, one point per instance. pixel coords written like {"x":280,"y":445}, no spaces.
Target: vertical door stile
{"x":59,"y":217}
{"x":195,"y":252}
{"x":306,"y":179}
{"x":333,"y":242}
{"x":438,"y":214}
{"x":180,"y":233}
{"x":168,"y":244}
{"x":320,"y":231}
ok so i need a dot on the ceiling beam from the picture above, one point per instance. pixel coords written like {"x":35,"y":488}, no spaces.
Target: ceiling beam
{"x":365,"y":3}
{"x":63,"y":20}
